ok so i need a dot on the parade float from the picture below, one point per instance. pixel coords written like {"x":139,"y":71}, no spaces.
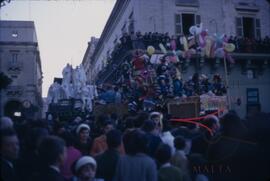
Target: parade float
{"x":71,"y":95}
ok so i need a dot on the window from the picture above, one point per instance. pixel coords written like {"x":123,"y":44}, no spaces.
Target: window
{"x":253,"y":96}
{"x":248,"y":27}
{"x":123,"y":29}
{"x":178,"y":24}
{"x":239,"y":27}
{"x":14,"y":59}
{"x":184,"y":21}
{"x":131,"y":27}
{"x":258,"y":28}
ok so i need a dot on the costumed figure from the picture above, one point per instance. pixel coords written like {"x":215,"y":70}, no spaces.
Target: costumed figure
{"x":76,"y":82}
{"x":54,"y":94}
{"x":218,"y":88}
{"x":67,"y":74}
{"x":138,"y":63}
{"x":86,"y":98}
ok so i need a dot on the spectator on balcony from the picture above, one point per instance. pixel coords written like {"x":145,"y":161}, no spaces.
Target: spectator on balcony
{"x":118,"y":96}
{"x":138,"y":62}
{"x":109,"y":95}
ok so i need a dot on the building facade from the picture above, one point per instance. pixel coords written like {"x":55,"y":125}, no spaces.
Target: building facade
{"x":87,"y":63}
{"x":248,"y":79}
{"x":20,"y":61}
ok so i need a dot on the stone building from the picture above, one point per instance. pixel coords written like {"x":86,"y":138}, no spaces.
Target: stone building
{"x":249,"y":81}
{"x":20,"y":61}
{"x":87,"y":63}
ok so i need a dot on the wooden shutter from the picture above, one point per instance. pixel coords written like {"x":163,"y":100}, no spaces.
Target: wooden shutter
{"x":258,"y":28}
{"x":178,"y":24}
{"x":197,"y":19}
{"x":239,"y":26}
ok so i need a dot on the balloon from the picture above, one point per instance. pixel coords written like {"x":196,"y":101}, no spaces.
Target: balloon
{"x":162,"y":48}
{"x":229,"y":47}
{"x":195,"y":30}
{"x":192,"y":30}
{"x":150,"y":50}
{"x":183,"y":41}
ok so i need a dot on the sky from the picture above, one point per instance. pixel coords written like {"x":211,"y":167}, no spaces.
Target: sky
{"x":63,"y":27}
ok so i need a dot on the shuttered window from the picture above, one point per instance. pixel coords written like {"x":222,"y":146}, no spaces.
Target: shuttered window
{"x":258,"y":28}
{"x":239,"y":26}
{"x":178,"y":24}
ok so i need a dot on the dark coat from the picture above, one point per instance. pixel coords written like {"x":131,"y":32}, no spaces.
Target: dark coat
{"x":50,"y":174}
{"x":106,"y":164}
{"x":7,"y":171}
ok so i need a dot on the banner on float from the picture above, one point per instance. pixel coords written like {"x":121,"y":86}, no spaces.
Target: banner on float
{"x":210,"y":103}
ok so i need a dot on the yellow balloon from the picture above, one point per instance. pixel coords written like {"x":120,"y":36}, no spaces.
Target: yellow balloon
{"x":150,"y":50}
{"x":229,"y":47}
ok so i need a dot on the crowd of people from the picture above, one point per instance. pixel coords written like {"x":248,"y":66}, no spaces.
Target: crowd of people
{"x":145,"y":147}
{"x":140,"y":79}
{"x":147,"y":83}
{"x":172,"y":42}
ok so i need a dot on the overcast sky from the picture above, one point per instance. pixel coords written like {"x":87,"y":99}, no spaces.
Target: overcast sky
{"x":63,"y":29}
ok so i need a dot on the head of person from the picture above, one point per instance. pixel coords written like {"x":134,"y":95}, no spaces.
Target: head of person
{"x":212,"y":122}
{"x":179,"y":143}
{"x":140,"y":119}
{"x":231,"y":124}
{"x":163,"y":154}
{"x":35,"y":136}
{"x":149,"y":126}
{"x":107,"y":126}
{"x":77,"y":120}
{"x":52,"y":150}
{"x":157,"y":118}
{"x":68,"y":138}
{"x":6,"y":122}
{"x":83,"y":131}
{"x":114,"y":139}
{"x":135,"y":142}
{"x":85,"y":168}
{"x":9,"y":144}
{"x":129,"y":123}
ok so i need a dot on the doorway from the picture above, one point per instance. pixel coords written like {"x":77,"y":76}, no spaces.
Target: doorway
{"x":248,"y":27}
